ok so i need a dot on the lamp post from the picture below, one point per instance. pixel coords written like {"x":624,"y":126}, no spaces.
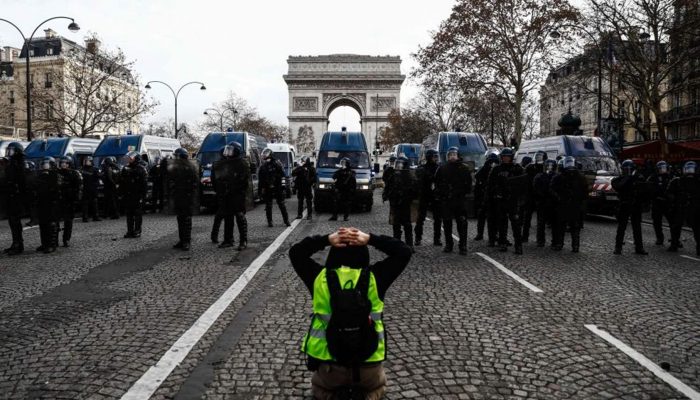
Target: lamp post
{"x":176,"y":95}
{"x":73,"y":27}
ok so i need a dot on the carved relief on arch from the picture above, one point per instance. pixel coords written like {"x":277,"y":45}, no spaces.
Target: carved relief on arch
{"x":305,"y":104}
{"x":385,"y":104}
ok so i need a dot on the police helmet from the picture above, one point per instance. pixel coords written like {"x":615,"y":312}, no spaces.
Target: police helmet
{"x":87,"y":161}
{"x":132,"y":157}
{"x":48,"y":163}
{"x":540,"y":157}
{"x":14,"y":148}
{"x":569,"y":163}
{"x":111,"y":161}
{"x":66,"y":162}
{"x":453,"y":151}
{"x":527,"y":160}
{"x":689,"y":168}
{"x":560,"y":164}
{"x":305,"y":160}
{"x":628,"y":167}
{"x":266,"y":154}
{"x":401,"y":163}
{"x":181,"y":153}
{"x":550,"y":166}
{"x":662,"y":167}
{"x":392,"y":158}
{"x":345,"y":162}
{"x":492,"y":156}
{"x":507,"y":154}
{"x":29,"y":165}
{"x":432,"y":155}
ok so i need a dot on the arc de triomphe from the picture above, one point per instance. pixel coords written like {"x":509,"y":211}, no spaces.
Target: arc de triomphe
{"x":319,"y":84}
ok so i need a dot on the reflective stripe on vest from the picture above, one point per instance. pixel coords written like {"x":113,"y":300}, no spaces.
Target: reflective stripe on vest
{"x":315,"y":344}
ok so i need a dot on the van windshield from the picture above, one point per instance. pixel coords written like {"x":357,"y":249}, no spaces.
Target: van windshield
{"x":410,"y":151}
{"x":582,"y":146}
{"x":208,"y":157}
{"x":599,"y":165}
{"x":331,"y":159}
{"x":284,"y":157}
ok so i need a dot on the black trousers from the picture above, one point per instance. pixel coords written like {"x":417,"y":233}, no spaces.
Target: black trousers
{"x":15,"y":223}
{"x":342,"y":203}
{"x":692,"y":218}
{"x":304,"y":196}
{"x":111,"y":208}
{"x":526,"y":212}
{"x":629,"y":213}
{"x":402,"y":219}
{"x":48,"y":232}
{"x":508,"y":212}
{"x":279,"y":198}
{"x":89,"y":207}
{"x":157,"y":197}
{"x":565,"y":221}
{"x":481,"y":215}
{"x":67,"y":215}
{"x":544,"y":217}
{"x":425,"y":205}
{"x":492,"y":222}
{"x":134,"y":218}
{"x":462,"y":230}
{"x":659,"y":211}
{"x":230,"y":220}
{"x":184,"y":227}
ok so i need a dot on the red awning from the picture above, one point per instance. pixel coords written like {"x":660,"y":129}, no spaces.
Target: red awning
{"x":677,"y":153}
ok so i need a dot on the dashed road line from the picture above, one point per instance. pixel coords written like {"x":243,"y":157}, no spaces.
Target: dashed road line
{"x":690,"y":258}
{"x":157,"y":374}
{"x":646,"y":363}
{"x":510,"y":273}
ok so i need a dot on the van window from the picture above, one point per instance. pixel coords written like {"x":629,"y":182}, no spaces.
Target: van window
{"x":209,"y":157}
{"x":153,"y":154}
{"x":582,"y":146}
{"x":284,"y":157}
{"x":331,"y":159}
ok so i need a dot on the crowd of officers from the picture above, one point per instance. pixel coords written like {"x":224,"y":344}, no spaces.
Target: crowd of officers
{"x":508,"y":194}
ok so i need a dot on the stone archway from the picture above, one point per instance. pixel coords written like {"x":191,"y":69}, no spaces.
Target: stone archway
{"x":318,"y":84}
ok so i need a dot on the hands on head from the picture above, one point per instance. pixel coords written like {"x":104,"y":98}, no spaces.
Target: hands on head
{"x":348,"y":237}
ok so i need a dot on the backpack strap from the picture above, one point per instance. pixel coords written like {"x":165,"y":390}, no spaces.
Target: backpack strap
{"x":363,"y":282}
{"x":333,"y":282}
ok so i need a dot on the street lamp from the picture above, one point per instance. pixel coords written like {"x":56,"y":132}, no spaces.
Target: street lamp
{"x":176,"y":95}
{"x":73,"y":27}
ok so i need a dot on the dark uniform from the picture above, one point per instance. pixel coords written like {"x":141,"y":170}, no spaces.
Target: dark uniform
{"x":156,"y":175}
{"x":110,"y":180}
{"x":528,"y":199}
{"x":660,"y":207}
{"x":71,"y":194}
{"x":182,"y":186}
{"x":427,"y":198}
{"x":630,"y":208}
{"x":133,"y":183}
{"x":504,"y":187}
{"x":481,"y":201}
{"x":684,"y":196}
{"x":400,"y":191}
{"x":454,"y":182}
{"x":270,"y":186}
{"x":344,"y":186}
{"x":48,"y":204}
{"x":304,"y":180}
{"x":544,"y":202}
{"x":15,"y":180}
{"x":569,"y":192}
{"x":231,"y":178}
{"x":91,"y":180}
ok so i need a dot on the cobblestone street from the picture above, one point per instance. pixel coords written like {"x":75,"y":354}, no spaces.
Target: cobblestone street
{"x":89,"y":321}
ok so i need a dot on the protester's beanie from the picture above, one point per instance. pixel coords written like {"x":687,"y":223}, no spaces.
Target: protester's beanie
{"x":350,"y":256}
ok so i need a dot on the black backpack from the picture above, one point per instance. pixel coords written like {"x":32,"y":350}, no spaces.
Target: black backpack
{"x":351,"y":334}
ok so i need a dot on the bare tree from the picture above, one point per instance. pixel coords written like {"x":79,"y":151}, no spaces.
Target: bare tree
{"x":228,"y":113}
{"x":500,"y":47}
{"x":442,"y":103}
{"x":189,"y":138}
{"x":90,"y":92}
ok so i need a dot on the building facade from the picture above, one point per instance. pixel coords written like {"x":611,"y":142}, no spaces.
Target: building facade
{"x":63,"y":87}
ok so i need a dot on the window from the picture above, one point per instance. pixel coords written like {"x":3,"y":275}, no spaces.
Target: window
{"x":49,"y":109}
{"x":31,"y":109}
{"x":47,"y":80}
{"x":12,"y":119}
{"x":31,"y":81}
{"x":12,"y":97}
{"x":31,"y":52}
{"x":49,"y":51}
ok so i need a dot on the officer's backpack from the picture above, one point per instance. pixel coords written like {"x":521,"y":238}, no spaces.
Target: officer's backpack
{"x":351,"y":334}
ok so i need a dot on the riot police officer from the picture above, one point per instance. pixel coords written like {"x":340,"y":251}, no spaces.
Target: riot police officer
{"x":660,"y":207}
{"x":528,"y":203}
{"x":270,"y":186}
{"x":71,"y":194}
{"x":155,"y":175}
{"x":544,"y":201}
{"x":48,"y":202}
{"x":630,"y":208}
{"x":400,"y":191}
{"x":182,"y":186}
{"x":110,"y":179}
{"x":388,"y":169}
{"x":481,"y":202}
{"x":16,"y":195}
{"x":505,"y":185}
{"x":133,"y":184}
{"x":569,"y":191}
{"x":427,"y":197}
{"x":684,"y":195}
{"x":344,"y":185}
{"x":454,"y":182}
{"x":304,"y":180}
{"x":231,"y":179}
{"x":91,"y":180}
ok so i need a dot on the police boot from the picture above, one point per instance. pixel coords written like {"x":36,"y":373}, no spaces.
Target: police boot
{"x":242,"y":231}
{"x":129,"y":227}
{"x":418,"y":232}
{"x":618,"y":249}
{"x":215,"y":229}
{"x":15,"y":249}
{"x":300,"y":209}
{"x":138,"y":220}
{"x":187,"y":233}
{"x":333,"y":218}
{"x":659,"y":240}
{"x":346,"y":217}
{"x":285,"y":216}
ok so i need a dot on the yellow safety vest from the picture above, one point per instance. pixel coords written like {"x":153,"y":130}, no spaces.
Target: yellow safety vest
{"x":315,"y":344}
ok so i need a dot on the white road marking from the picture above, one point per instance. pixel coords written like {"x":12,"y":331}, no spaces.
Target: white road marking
{"x":646,"y":363}
{"x":690,"y":258}
{"x":157,"y":374}
{"x":510,"y":273}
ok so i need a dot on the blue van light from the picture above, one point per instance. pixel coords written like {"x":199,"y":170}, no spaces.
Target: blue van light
{"x":44,"y":144}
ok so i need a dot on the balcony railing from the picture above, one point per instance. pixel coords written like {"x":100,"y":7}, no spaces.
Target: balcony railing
{"x":681,"y":113}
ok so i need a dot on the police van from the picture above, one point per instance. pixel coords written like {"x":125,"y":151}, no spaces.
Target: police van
{"x":285,"y":154}
{"x":472,"y":147}
{"x":409,"y":150}
{"x":593,"y":155}
{"x":334,"y":147}
{"x":210,"y":152}
{"x":57,"y":147}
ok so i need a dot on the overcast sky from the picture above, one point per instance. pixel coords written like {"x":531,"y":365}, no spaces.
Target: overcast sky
{"x":234,"y":45}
